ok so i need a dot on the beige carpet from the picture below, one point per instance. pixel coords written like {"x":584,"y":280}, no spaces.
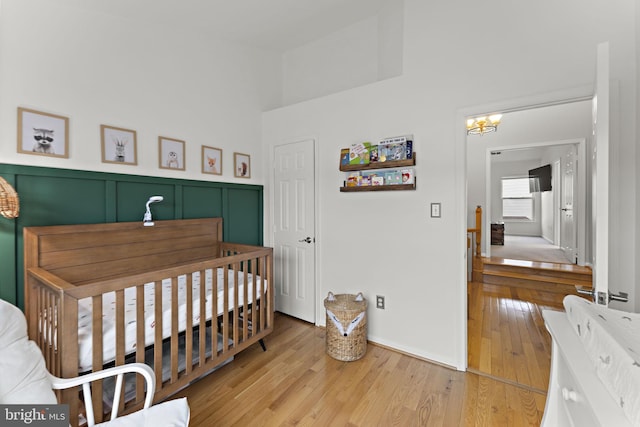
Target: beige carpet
{"x":529,"y":248}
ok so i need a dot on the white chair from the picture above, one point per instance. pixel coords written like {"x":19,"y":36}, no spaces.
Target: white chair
{"x":25,"y":379}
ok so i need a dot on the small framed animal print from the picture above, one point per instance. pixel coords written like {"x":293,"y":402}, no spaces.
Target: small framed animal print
{"x":171,"y":153}
{"x":43,"y":134}
{"x":118,"y":145}
{"x":241,"y":165}
{"x":211,"y":160}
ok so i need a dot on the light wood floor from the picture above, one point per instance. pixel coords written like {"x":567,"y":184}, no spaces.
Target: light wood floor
{"x":506,"y":334}
{"x":295,"y":383}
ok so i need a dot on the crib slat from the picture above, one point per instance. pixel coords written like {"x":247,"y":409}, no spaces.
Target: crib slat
{"x":174,"y":329}
{"x":256,"y":294}
{"x":214,"y":314}
{"x":157,"y":343}
{"x":97,"y":353}
{"x":245,"y":303}
{"x":225,"y":311}
{"x":202,"y":337}
{"x":120,"y":327}
{"x":140,"y":339}
{"x":236,"y":305}
{"x":120,"y":338}
{"x":188,"y":337}
{"x":67,"y":339}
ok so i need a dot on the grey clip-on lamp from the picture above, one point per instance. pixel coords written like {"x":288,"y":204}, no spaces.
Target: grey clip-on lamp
{"x":148,"y":221}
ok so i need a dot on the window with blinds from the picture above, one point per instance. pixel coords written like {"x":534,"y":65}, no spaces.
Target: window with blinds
{"x":517,"y":201}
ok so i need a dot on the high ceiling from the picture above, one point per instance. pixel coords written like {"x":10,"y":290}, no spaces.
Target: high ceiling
{"x":273,"y":24}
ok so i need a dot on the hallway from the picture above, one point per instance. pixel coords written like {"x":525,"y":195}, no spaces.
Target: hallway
{"x":532,"y":248}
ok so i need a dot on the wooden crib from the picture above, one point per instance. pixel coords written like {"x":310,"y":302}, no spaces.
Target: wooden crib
{"x":156,"y":283}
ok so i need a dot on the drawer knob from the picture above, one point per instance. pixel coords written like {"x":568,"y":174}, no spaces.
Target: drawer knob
{"x":570,"y":395}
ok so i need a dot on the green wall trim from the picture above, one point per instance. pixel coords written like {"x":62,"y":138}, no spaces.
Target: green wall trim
{"x":51,"y":196}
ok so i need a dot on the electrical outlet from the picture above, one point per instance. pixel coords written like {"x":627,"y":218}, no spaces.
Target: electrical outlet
{"x":380,"y":302}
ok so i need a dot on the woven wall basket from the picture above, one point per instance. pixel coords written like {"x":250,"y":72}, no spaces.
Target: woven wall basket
{"x":9,"y":203}
{"x":346,"y":330}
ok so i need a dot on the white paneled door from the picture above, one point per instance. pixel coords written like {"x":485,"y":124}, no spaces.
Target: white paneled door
{"x":568,"y":241}
{"x":294,"y":229}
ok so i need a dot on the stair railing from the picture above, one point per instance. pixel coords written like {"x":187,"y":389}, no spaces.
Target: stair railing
{"x":474,"y":243}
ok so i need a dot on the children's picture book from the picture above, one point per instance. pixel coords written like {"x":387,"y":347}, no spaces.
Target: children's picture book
{"x":359,"y":153}
{"x":410,"y":148}
{"x":407,"y":176}
{"x":344,"y":156}
{"x":392,"y":177}
{"x":392,"y":149}
{"x":373,"y":153}
{"x":353,"y":180}
{"x":377,"y":180}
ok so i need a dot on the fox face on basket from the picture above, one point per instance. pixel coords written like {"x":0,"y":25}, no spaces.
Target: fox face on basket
{"x":345,"y":330}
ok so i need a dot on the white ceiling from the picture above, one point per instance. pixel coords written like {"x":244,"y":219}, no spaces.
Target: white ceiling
{"x":273,"y":24}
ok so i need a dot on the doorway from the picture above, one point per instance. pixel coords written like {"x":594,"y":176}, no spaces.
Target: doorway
{"x":519,"y":123}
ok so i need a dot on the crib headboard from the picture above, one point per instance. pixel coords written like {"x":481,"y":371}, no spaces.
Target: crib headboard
{"x":91,"y":252}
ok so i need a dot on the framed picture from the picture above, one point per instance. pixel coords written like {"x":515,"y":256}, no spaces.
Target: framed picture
{"x":118,"y":145}
{"x":211,"y":160}
{"x":43,"y":134}
{"x":241,"y":165}
{"x":171,"y":153}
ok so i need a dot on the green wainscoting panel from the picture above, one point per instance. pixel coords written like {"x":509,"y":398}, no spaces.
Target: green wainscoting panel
{"x":241,"y":219}
{"x":132,"y":200}
{"x":60,"y":200}
{"x":50,"y":196}
{"x":201,"y":202}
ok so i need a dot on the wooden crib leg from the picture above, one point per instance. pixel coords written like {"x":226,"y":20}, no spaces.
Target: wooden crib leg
{"x":264,"y":347}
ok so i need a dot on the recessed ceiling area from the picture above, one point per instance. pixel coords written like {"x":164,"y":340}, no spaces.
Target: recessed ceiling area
{"x":278,"y":25}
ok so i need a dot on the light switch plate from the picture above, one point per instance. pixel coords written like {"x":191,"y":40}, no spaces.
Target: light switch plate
{"x":435,"y":210}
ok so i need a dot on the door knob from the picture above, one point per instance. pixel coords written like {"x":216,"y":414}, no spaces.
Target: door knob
{"x":308,"y":240}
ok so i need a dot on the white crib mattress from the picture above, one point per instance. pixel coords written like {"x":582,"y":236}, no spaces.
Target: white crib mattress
{"x":612,"y":341}
{"x":109,"y":312}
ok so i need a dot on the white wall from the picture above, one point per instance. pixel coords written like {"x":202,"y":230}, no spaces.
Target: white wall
{"x":100,"y":69}
{"x":398,"y":251}
{"x":360,"y":54}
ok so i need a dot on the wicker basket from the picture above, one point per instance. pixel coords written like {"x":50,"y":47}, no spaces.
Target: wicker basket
{"x":346,"y":331}
{"x":9,"y":203}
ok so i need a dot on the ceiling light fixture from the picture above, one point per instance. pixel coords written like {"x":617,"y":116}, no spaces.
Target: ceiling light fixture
{"x":484,"y":124}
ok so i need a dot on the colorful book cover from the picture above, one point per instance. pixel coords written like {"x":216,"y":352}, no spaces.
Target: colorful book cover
{"x":392,"y":177}
{"x":344,"y":156}
{"x":373,"y":154}
{"x":377,"y":180}
{"x":392,"y":149}
{"x":407,"y":176}
{"x":353,"y":180}
{"x":359,"y":153}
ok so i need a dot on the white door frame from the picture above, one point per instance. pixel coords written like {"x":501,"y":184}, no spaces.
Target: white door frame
{"x":571,"y":95}
{"x":319,"y":310}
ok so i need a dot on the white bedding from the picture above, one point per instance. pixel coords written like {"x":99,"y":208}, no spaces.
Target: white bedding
{"x":612,"y":341}
{"x":108,"y":308}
